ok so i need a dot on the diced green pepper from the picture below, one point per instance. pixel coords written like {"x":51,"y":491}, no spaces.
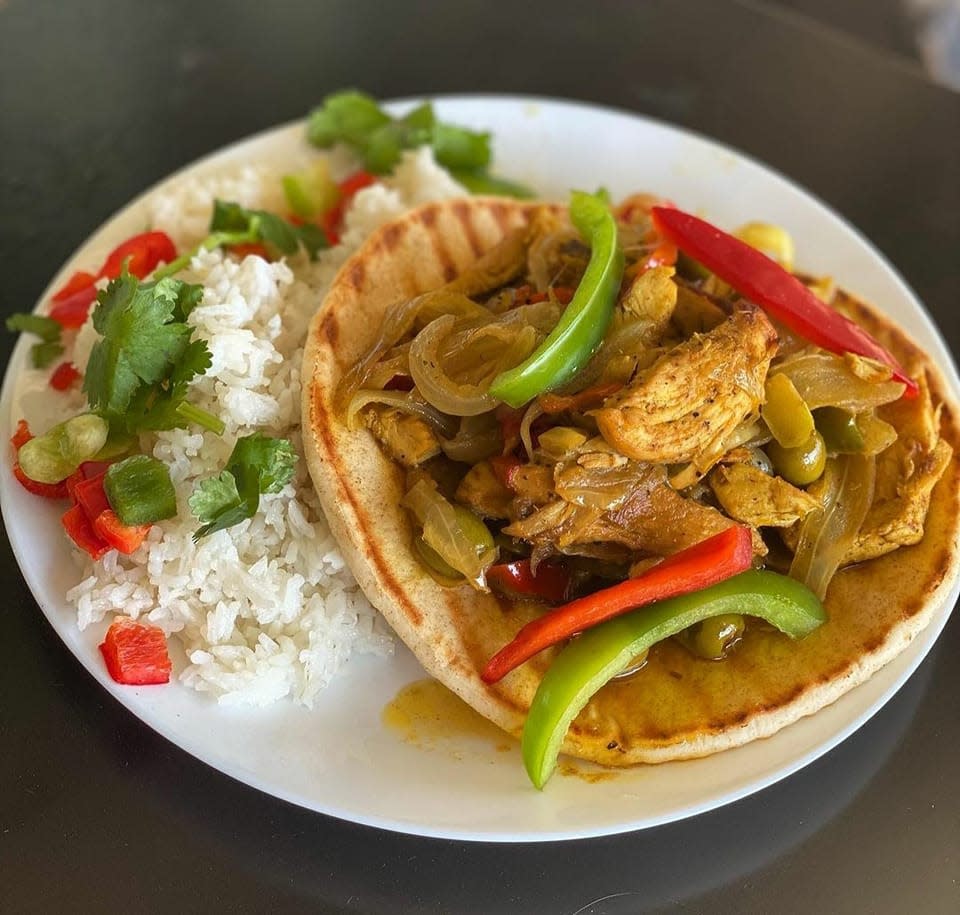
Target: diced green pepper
{"x":584,"y":321}
{"x":599,"y":654}
{"x":140,"y":491}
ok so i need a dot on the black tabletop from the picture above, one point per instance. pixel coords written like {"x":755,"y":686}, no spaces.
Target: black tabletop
{"x":99,"y":99}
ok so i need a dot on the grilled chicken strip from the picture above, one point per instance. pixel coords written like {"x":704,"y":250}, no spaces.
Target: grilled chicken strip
{"x":748,"y":494}
{"x":695,"y":395}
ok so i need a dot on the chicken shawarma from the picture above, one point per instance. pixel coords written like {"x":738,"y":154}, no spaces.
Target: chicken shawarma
{"x":625,"y":484}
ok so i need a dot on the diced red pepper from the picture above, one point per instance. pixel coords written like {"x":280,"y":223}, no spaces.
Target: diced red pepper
{"x":550,"y":582}
{"x":255,"y":248}
{"x":90,"y":495}
{"x":71,"y":482}
{"x":505,"y":467}
{"x":141,"y":253}
{"x":582,"y":400}
{"x":21,"y":435}
{"x":64,"y":376}
{"x":47,"y":490}
{"x":136,"y":654}
{"x":706,"y":563}
{"x":71,"y":311}
{"x":510,"y":421}
{"x":664,"y":255}
{"x":80,"y":280}
{"x":563,"y":294}
{"x":774,"y":289}
{"x":332,"y":220}
{"x":123,"y":537}
{"x":77,"y":525}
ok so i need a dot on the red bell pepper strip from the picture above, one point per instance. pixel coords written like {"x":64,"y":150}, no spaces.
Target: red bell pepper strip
{"x":21,"y":435}
{"x":712,"y":560}
{"x":77,"y":525}
{"x":122,"y":537}
{"x":64,"y":376}
{"x":47,"y":490}
{"x":550,"y":582}
{"x":141,"y":253}
{"x":774,"y":289}
{"x":80,"y":280}
{"x":136,"y":654}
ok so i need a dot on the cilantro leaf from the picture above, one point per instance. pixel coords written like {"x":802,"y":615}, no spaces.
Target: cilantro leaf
{"x":236,"y":225}
{"x":41,"y":326}
{"x":48,"y":330}
{"x":274,"y":459}
{"x":355,"y":118}
{"x":42,"y":354}
{"x":258,"y":464}
{"x":141,"y":340}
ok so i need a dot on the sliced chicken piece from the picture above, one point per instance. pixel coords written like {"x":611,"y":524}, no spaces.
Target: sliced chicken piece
{"x":907,"y":471}
{"x":532,"y":485}
{"x":648,"y":516}
{"x":482,"y":491}
{"x":695,"y":312}
{"x":748,"y":494}
{"x":651,"y":297}
{"x":892,"y":523}
{"x":695,"y":395}
{"x":405,"y":437}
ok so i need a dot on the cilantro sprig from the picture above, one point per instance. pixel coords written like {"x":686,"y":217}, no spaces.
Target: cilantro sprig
{"x":139,"y":370}
{"x":354,"y":118}
{"x":258,"y":464}
{"x":232,"y":224}
{"x":48,"y":330}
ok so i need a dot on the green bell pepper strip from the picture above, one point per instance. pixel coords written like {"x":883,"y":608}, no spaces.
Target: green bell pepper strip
{"x":598,"y":655}
{"x":584,"y":321}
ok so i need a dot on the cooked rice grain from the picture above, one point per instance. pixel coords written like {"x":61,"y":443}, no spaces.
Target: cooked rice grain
{"x":267,"y":609}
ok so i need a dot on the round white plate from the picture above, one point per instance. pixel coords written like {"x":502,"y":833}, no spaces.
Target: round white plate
{"x":339,"y":758}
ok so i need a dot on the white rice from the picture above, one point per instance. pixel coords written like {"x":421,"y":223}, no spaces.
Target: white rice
{"x":265,"y":610}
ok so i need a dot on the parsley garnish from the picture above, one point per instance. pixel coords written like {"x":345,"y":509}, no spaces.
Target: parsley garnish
{"x":356,"y":119}
{"x":139,"y":369}
{"x":48,"y":330}
{"x":258,"y":464}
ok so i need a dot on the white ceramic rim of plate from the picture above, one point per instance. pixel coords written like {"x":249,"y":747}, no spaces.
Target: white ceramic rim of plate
{"x":864,"y":702}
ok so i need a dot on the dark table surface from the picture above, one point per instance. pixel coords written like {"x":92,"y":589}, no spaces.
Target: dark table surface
{"x":99,"y":99}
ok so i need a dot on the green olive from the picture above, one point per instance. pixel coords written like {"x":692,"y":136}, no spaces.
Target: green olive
{"x":800,"y":466}
{"x":714,"y":637}
{"x":438,"y":567}
{"x":839,"y":430}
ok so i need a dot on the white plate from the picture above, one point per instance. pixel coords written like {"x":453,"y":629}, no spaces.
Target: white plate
{"x":339,"y":758}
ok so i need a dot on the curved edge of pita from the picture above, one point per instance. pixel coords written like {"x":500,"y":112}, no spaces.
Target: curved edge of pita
{"x":677,"y":708}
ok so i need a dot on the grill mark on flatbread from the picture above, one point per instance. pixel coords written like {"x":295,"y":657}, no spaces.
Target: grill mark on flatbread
{"x":462,"y":211}
{"x":329,"y":329}
{"x":357,"y":275}
{"x":366,"y":529}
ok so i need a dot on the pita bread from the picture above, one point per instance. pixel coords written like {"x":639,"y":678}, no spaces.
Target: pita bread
{"x":678,"y":706}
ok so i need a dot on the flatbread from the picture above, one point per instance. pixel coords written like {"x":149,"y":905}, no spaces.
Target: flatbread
{"x":677,"y":706}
